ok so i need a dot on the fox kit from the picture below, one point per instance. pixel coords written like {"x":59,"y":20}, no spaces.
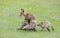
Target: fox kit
{"x":46,"y":25}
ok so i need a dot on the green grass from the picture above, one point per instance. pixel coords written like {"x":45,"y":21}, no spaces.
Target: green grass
{"x":43,"y":9}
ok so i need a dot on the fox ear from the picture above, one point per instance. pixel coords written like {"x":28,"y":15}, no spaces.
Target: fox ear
{"x":22,"y":10}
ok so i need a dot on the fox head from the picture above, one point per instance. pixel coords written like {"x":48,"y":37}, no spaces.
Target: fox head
{"x":22,"y":13}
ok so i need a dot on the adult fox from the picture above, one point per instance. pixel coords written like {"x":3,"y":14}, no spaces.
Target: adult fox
{"x":30,"y":18}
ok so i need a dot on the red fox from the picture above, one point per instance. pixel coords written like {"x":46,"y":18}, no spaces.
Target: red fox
{"x":45,"y":24}
{"x":30,"y":18}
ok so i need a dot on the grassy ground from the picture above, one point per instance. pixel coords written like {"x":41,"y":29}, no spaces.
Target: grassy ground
{"x":43,"y":9}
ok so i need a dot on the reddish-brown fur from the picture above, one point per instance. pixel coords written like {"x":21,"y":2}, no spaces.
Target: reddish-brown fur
{"x":30,"y":18}
{"x":27,"y":15}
